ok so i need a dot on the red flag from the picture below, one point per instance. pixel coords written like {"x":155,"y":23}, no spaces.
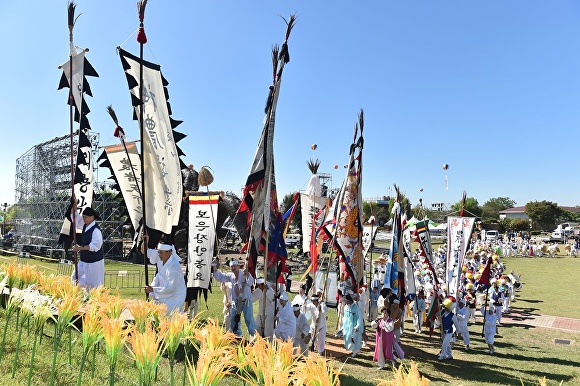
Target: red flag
{"x":313,"y":239}
{"x":486,"y":273}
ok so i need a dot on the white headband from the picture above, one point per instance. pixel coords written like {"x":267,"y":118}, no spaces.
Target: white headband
{"x":164,"y":247}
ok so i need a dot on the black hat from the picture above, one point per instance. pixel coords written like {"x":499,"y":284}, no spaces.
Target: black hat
{"x":88,"y":211}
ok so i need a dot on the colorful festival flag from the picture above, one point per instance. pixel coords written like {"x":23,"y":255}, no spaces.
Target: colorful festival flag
{"x":260,"y":199}
{"x":344,"y":223}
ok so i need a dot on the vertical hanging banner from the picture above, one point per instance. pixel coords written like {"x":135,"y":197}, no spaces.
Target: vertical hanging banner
{"x":121,"y":166}
{"x":74,"y":74}
{"x":162,"y":165}
{"x":424,"y":239}
{"x":203,"y":209}
{"x":368,"y":236}
{"x":458,"y":235}
{"x":309,"y":206}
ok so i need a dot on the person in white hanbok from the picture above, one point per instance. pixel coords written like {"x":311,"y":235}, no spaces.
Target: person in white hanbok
{"x":264,"y":323}
{"x":285,"y":320}
{"x":317,"y":311}
{"x":168,"y":285}
{"x":302,"y":335}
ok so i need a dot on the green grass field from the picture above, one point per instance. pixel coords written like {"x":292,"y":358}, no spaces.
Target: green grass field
{"x":523,"y":354}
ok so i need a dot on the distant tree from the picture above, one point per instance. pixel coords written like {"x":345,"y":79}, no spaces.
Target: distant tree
{"x":506,"y":224}
{"x":545,"y":213}
{"x":287,"y":203}
{"x":521,"y":224}
{"x":492,"y":207}
{"x":381,"y":213}
{"x":472,"y":208}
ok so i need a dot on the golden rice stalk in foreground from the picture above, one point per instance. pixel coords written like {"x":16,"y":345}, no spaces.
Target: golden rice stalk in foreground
{"x":216,"y":351}
{"x":317,"y":370}
{"x":406,"y":376}
{"x":267,"y":364}
{"x":146,"y":348}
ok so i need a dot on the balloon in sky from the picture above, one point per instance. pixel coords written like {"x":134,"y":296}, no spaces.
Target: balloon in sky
{"x":445,"y":166}
{"x":314,"y":146}
{"x":336,"y":166}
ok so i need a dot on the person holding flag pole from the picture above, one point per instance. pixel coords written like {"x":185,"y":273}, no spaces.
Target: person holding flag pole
{"x":485,"y":280}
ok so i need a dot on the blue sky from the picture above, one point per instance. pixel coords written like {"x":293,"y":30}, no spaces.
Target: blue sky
{"x":491,"y":88}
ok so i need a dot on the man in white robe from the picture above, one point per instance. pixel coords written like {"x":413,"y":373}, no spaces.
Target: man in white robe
{"x":285,"y":319}
{"x":168,"y":285}
{"x":302,"y":335}
{"x":264,"y":323}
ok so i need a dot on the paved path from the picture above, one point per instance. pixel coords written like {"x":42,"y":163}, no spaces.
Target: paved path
{"x":536,"y":320}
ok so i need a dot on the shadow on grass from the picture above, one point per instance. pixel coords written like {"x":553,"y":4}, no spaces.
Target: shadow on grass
{"x":348,"y":380}
{"x":473,"y":367}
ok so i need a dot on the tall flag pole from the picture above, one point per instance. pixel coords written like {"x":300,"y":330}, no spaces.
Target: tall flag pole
{"x":162,"y":190}
{"x":142,"y":39}
{"x":260,"y":199}
{"x":344,"y":223}
{"x":485,"y":280}
{"x":258,"y":192}
{"x":73,"y":77}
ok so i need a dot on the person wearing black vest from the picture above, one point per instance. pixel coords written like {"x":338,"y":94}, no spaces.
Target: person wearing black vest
{"x":448,"y":319}
{"x":91,"y":265}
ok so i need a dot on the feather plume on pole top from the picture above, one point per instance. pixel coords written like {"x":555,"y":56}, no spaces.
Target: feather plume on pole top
{"x":71,"y":17}
{"x":284,"y":54}
{"x":205,"y":178}
{"x":463,"y":201}
{"x":313,"y":165}
{"x":141,"y":37}
{"x":119,"y":132}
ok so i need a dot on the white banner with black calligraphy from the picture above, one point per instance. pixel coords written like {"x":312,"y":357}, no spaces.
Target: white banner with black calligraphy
{"x":368,"y":236}
{"x":458,"y":235}
{"x":127,"y":173}
{"x":83,"y":182}
{"x":202,"y":212}
{"x":163,"y":189}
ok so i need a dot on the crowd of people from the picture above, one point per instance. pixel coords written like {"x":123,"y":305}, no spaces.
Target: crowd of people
{"x":483,"y":286}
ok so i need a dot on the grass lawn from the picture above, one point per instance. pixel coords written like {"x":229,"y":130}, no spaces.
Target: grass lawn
{"x":523,"y":354}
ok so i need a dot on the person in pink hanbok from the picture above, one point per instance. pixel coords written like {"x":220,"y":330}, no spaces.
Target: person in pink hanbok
{"x":385,"y":339}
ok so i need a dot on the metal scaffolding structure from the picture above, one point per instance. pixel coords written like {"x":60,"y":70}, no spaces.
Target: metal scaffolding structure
{"x":42,"y":195}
